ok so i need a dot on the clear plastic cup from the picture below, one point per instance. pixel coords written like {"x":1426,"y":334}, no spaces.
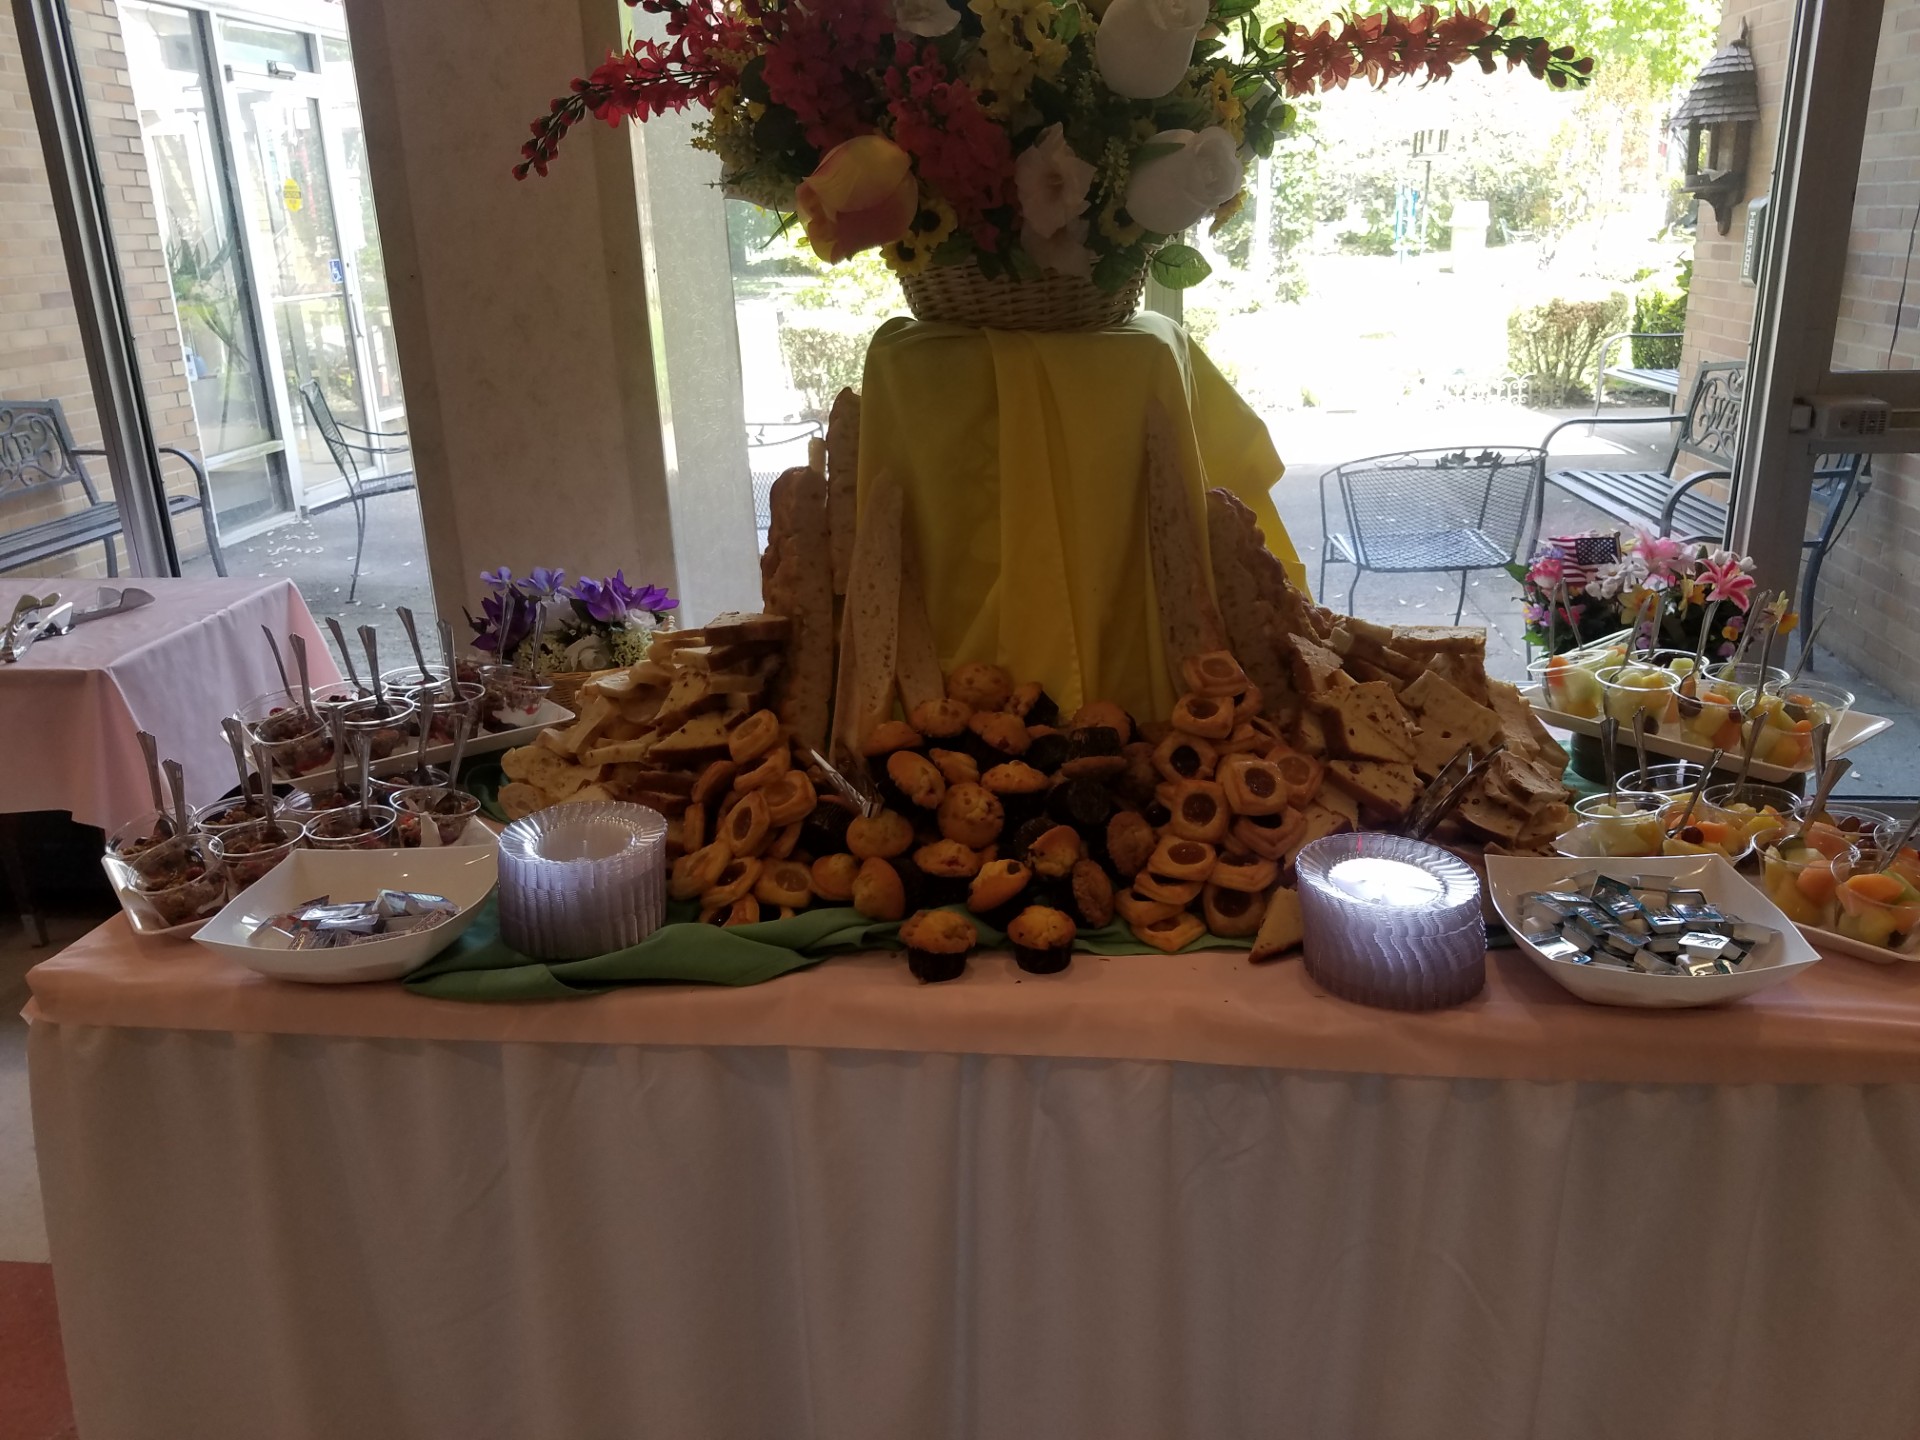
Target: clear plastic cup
{"x":248,"y":852}
{"x":450,"y":702}
{"x":1879,"y":903}
{"x":180,"y":880}
{"x":1630,"y":690}
{"x":296,"y":743}
{"x":226,"y":814}
{"x":343,"y":829}
{"x":1670,"y":777}
{"x":1787,"y":715}
{"x":1731,"y":682}
{"x":1801,"y":881}
{"x":1757,"y":813}
{"x":1862,"y":822}
{"x":1705,"y":717}
{"x":382,"y":725}
{"x":140,"y":835}
{"x":1571,"y":685}
{"x":1621,"y":824}
{"x":387,"y":790}
{"x":450,"y":812}
{"x":513,"y":697}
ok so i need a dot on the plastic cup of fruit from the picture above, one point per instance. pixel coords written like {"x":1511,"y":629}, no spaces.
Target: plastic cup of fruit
{"x":1670,"y":778}
{"x":382,"y":725}
{"x":344,"y":829}
{"x":140,"y":835}
{"x":450,"y":811}
{"x":1801,"y":881}
{"x":513,"y":697}
{"x":1862,"y":822}
{"x":296,"y":742}
{"x":247,"y":852}
{"x":1787,"y":715}
{"x":1622,"y":824}
{"x":1569,"y":684}
{"x":1879,"y":903}
{"x":1731,"y":682}
{"x":180,"y":880}
{"x":1705,"y":718}
{"x":1630,"y":690}
{"x":1758,"y":812}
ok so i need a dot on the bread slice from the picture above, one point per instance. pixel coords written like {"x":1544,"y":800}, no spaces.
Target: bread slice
{"x":843,"y":484}
{"x":1386,"y":792}
{"x":1281,"y":929}
{"x":1425,"y":641}
{"x":799,"y":586}
{"x":1447,"y":719}
{"x":1190,"y":622}
{"x":870,"y":621}
{"x":699,"y":740}
{"x":1365,"y":722}
{"x":1314,"y":665}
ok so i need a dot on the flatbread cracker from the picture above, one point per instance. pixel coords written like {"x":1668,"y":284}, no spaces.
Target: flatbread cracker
{"x":1190,"y":622}
{"x":843,"y":483}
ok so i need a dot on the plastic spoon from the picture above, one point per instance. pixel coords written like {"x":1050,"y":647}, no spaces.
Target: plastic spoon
{"x":1806,"y":646}
{"x":372,"y":644}
{"x":413,"y":638}
{"x":1899,"y":844}
{"x":1610,"y":737}
{"x":346,"y":656}
{"x":426,"y":733}
{"x":1753,"y":721}
{"x":462,"y":723}
{"x":299,"y":644}
{"x":446,"y":655}
{"x":286,"y":685}
{"x":150,"y":749}
{"x":230,"y":727}
{"x":1693,"y":799}
{"x":1831,"y":774}
{"x":177,"y":789}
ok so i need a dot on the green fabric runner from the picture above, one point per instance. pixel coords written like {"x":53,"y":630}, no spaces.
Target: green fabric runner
{"x":480,"y":966}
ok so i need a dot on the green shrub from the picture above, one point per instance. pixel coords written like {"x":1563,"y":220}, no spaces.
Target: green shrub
{"x":1660,"y":309}
{"x":824,"y":355}
{"x":1555,"y":344}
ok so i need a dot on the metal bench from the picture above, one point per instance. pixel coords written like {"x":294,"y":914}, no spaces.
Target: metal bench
{"x":1709,"y":430}
{"x":37,"y":453}
{"x":1640,"y":377}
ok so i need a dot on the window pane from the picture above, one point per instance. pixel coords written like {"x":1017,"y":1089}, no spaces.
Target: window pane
{"x":261,"y":47}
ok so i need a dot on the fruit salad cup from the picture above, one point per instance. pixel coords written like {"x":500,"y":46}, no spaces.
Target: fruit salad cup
{"x":1801,"y":881}
{"x":1706,"y":718}
{"x":1731,"y":682}
{"x":1787,"y":713}
{"x":1614,"y":826}
{"x":1879,"y":902}
{"x":1755,"y":814}
{"x":1669,"y":778}
{"x":1858,"y":822}
{"x":1570,"y":685}
{"x":1637,"y":689}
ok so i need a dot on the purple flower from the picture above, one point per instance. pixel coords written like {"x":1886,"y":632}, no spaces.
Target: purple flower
{"x":543,"y":584}
{"x":600,"y":600}
{"x":656,"y":600}
{"x":501,"y":579}
{"x":488,"y":636}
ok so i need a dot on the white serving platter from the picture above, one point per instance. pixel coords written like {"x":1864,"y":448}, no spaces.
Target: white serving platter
{"x":1850,"y":731}
{"x":465,"y":874}
{"x":486,"y":742}
{"x":1779,"y":960}
{"x":140,"y":916}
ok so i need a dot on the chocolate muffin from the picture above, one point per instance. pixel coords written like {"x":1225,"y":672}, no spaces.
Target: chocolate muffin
{"x":937,"y":944}
{"x":1042,"y":939}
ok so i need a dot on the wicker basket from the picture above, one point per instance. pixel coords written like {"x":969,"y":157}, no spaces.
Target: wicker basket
{"x":961,"y":295}
{"x":566,"y":686}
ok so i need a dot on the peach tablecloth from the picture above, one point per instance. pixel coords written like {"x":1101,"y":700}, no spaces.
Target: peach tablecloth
{"x":70,"y":711}
{"x":1841,"y":1021}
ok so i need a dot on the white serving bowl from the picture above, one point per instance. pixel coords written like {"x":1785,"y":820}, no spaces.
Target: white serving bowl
{"x":465,"y":874}
{"x":1780,"y":959}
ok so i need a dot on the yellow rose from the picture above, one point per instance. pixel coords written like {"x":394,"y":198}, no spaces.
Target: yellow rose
{"x":862,"y":194}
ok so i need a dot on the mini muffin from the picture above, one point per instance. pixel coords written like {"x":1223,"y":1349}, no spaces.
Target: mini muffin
{"x":937,"y":943}
{"x":941,"y":719}
{"x":1033,"y":705}
{"x":833,"y":875}
{"x":1046,"y":749}
{"x":1092,"y":895}
{"x":916,"y":780}
{"x":1086,"y":805}
{"x":889,"y":736}
{"x":1054,"y":853}
{"x":945,"y":867}
{"x":998,"y":886}
{"x":1093,"y":753}
{"x":1136,"y":783}
{"x":1232,"y":914}
{"x":1019,"y":842}
{"x":1176,"y":932}
{"x":877,"y":891}
{"x":998,"y":735}
{"x":956,"y":767}
{"x":1130,"y":840}
{"x":1042,"y":939}
{"x":881,"y":836}
{"x":1103,"y":714}
{"x":1021,"y":789}
{"x":972,"y":815}
{"x":983,"y":686}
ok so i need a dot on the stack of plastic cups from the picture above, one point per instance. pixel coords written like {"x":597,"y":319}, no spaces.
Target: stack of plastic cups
{"x":582,"y":880}
{"x":1391,"y":922}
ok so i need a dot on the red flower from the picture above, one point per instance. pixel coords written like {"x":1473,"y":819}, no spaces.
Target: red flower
{"x":961,"y":152}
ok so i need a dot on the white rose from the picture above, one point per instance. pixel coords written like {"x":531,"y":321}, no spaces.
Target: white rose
{"x":1064,"y":251}
{"x":1145,"y":46}
{"x":1170,"y":192}
{"x":924,"y":17}
{"x":1052,"y":183}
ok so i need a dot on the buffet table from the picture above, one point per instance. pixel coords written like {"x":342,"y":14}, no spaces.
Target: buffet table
{"x":1153,"y":1196}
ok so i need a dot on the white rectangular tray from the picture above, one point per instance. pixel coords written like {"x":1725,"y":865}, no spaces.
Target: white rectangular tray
{"x":485,"y":743}
{"x":1852,"y":730}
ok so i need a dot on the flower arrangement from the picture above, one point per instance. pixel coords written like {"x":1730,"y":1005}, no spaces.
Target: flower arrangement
{"x":1024,"y":136}
{"x":588,"y":625}
{"x":1583,"y":588}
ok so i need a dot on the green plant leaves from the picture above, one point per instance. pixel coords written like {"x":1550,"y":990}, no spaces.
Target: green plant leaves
{"x":1179,"y":266}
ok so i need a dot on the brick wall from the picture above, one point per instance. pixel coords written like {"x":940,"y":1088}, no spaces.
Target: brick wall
{"x":1872,"y":579}
{"x":40,"y":353}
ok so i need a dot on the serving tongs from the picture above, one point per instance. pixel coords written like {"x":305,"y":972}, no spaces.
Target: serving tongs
{"x":864,"y":800}
{"x":52,"y":616}
{"x":1447,"y":789}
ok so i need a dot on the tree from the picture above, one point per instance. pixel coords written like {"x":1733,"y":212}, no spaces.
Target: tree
{"x":1672,"y":38}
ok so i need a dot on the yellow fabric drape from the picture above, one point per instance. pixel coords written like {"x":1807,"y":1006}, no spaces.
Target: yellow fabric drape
{"x":1019,"y":454}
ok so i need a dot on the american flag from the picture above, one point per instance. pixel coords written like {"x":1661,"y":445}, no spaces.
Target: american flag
{"x":1583,"y":555}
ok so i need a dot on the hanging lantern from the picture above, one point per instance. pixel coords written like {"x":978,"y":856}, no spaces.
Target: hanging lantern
{"x":1717,"y":120}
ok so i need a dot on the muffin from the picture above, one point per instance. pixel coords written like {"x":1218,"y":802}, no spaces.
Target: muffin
{"x":956,"y":767}
{"x":832,"y":877}
{"x":998,"y":736}
{"x":1054,"y":853}
{"x":889,"y":736}
{"x":1046,"y":749}
{"x":877,"y":891}
{"x":883,"y":836}
{"x":915,"y":781}
{"x":941,"y":719}
{"x":937,"y":943}
{"x":1103,"y":714}
{"x":1021,"y":790}
{"x":1092,"y":895}
{"x":983,"y":686}
{"x":995,"y":893}
{"x":1033,"y":705}
{"x":1093,"y":753}
{"x":971,"y":815}
{"x":1086,"y":805}
{"x":1130,"y":842}
{"x":1042,"y":939}
{"x":946,"y":867}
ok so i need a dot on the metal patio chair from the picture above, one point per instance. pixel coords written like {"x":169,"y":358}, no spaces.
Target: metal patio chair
{"x":766,"y":440}
{"x":361,"y":487}
{"x":1431,"y":510}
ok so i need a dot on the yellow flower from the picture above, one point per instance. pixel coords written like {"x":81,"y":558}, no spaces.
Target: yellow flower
{"x":1016,"y":49}
{"x":913,"y":252}
{"x":1227,"y":108}
{"x":1227,"y":211}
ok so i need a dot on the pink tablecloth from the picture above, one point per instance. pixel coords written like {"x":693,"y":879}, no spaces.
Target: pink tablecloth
{"x":70,"y":711}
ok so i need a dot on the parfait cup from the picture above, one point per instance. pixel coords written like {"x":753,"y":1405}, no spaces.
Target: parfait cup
{"x":179,"y":880}
{"x":248,"y":852}
{"x":450,"y":702}
{"x":513,"y":697}
{"x":449,"y":811}
{"x":1630,"y":690}
{"x":139,"y":835}
{"x":296,"y":743}
{"x":379,"y":727}
{"x":344,"y":829}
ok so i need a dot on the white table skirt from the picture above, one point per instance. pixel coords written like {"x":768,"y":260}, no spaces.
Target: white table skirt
{"x":296,"y":1236}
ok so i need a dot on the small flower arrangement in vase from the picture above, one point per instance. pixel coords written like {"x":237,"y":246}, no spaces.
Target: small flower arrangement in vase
{"x":1650,"y":591}
{"x":568,"y":631}
{"x":1055,"y":148}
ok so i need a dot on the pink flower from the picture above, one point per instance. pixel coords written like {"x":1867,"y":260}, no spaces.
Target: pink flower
{"x":1547,"y":570}
{"x":1727,"y":579}
{"x":1663,"y":556}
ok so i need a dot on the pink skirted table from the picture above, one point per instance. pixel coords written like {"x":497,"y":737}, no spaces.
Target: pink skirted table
{"x":1152,"y":1197}
{"x":71,"y":710}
